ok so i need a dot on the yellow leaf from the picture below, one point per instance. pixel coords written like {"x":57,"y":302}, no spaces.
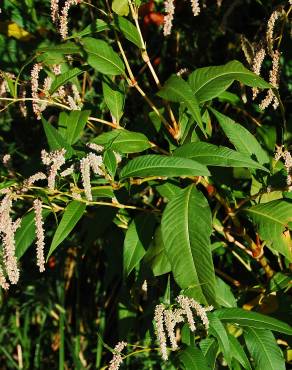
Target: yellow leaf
{"x":12,"y":29}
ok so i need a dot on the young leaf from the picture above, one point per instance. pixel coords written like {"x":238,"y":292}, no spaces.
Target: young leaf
{"x":186,"y":229}
{"x":272,"y":219}
{"x":177,"y":90}
{"x":102,"y":57}
{"x":209,"y":82}
{"x":192,"y":358}
{"x":137,"y":240}
{"x":264,"y":349}
{"x":25,"y":234}
{"x":213,"y":155}
{"x":161,"y":165}
{"x":114,"y":101}
{"x":252,"y":320}
{"x":123,"y":141}
{"x":71,"y":216}
{"x":241,"y":138}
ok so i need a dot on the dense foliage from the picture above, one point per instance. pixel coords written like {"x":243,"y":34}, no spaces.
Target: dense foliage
{"x":145,"y":184}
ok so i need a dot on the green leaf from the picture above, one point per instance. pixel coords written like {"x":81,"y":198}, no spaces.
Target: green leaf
{"x":252,"y":320}
{"x":128,"y":30}
{"x":25,"y":234}
{"x":209,"y":348}
{"x":55,"y":139}
{"x":161,"y":165}
{"x":168,"y":189}
{"x":64,"y":48}
{"x":213,"y":155}
{"x":224,"y":295}
{"x":123,"y":141}
{"x":272,"y":219}
{"x":72,"y":214}
{"x":186,"y":229}
{"x":98,"y":26}
{"x":102,"y":57}
{"x":103,"y":192}
{"x":177,"y":90}
{"x":209,"y":82}
{"x":193,"y":359}
{"x":156,"y":257}
{"x":219,"y":332}
{"x":238,"y":352}
{"x":120,"y":7}
{"x":110,"y":162}
{"x":264,"y":349}
{"x":137,"y":240}
{"x":114,"y":100}
{"x":241,"y":138}
{"x":63,"y":78}
{"x":71,"y":125}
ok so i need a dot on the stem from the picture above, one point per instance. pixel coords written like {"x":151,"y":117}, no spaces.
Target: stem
{"x":49,"y":102}
{"x":147,"y":60}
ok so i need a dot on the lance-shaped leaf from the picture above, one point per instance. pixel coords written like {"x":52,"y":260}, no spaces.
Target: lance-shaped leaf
{"x":218,"y":330}
{"x":63,"y":78}
{"x":272,"y":219}
{"x":114,"y":100}
{"x":137,"y":240}
{"x":123,"y":141}
{"x":209,"y":82}
{"x":192,"y":358}
{"x":238,"y":352}
{"x":71,"y":125}
{"x":209,"y":347}
{"x":179,"y":91}
{"x":213,"y":155}
{"x":55,"y":139}
{"x":241,"y":138}
{"x":102,"y":57}
{"x":71,"y":216}
{"x":129,"y":30}
{"x":264,"y":349}
{"x":156,"y":257}
{"x":161,"y":165}
{"x":186,"y":230}
{"x":252,"y":320}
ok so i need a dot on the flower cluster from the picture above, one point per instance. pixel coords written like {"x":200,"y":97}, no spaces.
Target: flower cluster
{"x":117,"y":359}
{"x":94,"y":162}
{"x":169,"y":10}
{"x":256,"y":59}
{"x":37,"y":205}
{"x":68,"y":94}
{"x":7,"y":232}
{"x":167,"y":319}
{"x":286,"y":156}
{"x":60,"y":16}
{"x":54,"y":160}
